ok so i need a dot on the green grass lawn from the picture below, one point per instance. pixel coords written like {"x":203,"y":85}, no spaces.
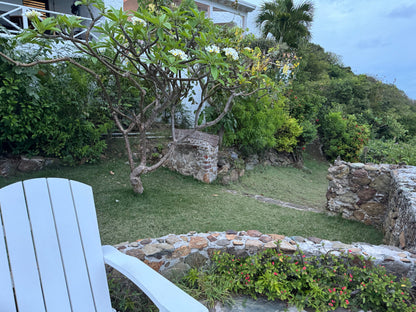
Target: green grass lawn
{"x":302,"y":187}
{"x":172,"y":203}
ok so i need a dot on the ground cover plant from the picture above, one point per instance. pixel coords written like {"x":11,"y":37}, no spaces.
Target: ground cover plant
{"x":322,"y":283}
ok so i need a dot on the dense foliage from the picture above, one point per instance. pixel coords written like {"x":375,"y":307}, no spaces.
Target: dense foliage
{"x":330,"y":98}
{"x":50,"y":111}
{"x":323,"y":283}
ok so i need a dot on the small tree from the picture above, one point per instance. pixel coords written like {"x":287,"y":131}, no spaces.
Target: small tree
{"x":159,"y":54}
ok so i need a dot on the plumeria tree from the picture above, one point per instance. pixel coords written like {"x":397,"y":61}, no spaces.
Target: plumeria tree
{"x":157,"y":55}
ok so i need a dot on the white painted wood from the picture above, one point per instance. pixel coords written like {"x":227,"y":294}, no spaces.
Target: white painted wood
{"x":20,"y":249}
{"x":46,"y":244}
{"x":164,"y":294}
{"x":6,"y":293}
{"x":67,"y":253}
{"x":72,"y":252}
{"x":87,"y":220}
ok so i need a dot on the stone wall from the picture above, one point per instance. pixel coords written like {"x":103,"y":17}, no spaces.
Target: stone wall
{"x":379,"y":195}
{"x":9,"y":166}
{"x":173,"y":255}
{"x":196,"y":155}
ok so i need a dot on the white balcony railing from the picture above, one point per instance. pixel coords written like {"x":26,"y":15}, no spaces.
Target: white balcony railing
{"x":13,"y":19}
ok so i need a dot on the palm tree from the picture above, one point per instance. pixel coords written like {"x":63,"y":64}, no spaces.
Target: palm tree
{"x":285,"y":21}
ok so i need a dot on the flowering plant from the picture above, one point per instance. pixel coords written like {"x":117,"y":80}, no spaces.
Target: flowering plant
{"x":323,"y":283}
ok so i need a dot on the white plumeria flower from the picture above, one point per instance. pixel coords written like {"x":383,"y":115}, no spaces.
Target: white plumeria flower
{"x":231,"y":52}
{"x":32,"y":14}
{"x":137,"y":20}
{"x":212,"y":49}
{"x":179,"y":53}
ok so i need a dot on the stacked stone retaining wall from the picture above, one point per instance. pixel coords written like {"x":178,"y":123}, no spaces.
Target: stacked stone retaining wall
{"x":173,"y":255}
{"x":196,"y":155}
{"x":379,"y":195}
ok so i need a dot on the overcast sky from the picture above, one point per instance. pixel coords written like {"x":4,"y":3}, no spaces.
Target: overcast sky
{"x":373,"y":37}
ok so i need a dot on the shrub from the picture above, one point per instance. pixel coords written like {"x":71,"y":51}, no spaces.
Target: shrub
{"x":390,"y":152}
{"x":323,"y":283}
{"x":50,"y":111}
{"x":343,"y":136}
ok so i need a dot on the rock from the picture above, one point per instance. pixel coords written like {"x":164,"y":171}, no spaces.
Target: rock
{"x":373,"y":209}
{"x":402,"y":240}
{"x":405,"y":260}
{"x":265,"y":238}
{"x":8,"y":167}
{"x":173,"y":239}
{"x":123,"y":244}
{"x":180,"y":252}
{"x":134,"y":244}
{"x":230,"y":236}
{"x":315,"y":240}
{"x":150,"y":250}
{"x":177,"y":271}
{"x":286,"y":247}
{"x":195,"y":260}
{"x":198,"y":242}
{"x":298,"y":239}
{"x":366,"y":194}
{"x":270,"y":245}
{"x":145,"y":241}
{"x":231,"y":232}
{"x":211,"y":238}
{"x":137,"y":253}
{"x":154,"y":265}
{"x":184,"y":238}
{"x":359,"y":215}
{"x":277,"y":237}
{"x":222,"y":242}
{"x":253,"y":244}
{"x":254,"y":233}
{"x":30,"y":164}
{"x":238,"y":243}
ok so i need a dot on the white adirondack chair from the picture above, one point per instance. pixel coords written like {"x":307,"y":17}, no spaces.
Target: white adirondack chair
{"x":51,"y":257}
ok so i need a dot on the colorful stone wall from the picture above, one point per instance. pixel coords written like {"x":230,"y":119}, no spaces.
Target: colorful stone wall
{"x":173,"y":255}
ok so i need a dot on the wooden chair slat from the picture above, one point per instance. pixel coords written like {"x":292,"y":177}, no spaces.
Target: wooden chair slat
{"x":6,"y":293}
{"x":88,"y":226}
{"x":20,"y":248}
{"x":46,"y":245}
{"x":73,"y":258}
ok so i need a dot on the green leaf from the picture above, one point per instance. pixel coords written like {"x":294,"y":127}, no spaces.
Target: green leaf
{"x":214,"y":72}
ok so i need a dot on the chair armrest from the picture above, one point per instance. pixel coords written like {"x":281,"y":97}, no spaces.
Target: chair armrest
{"x":165,"y":295}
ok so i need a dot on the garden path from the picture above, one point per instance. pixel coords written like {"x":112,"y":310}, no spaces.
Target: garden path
{"x":276,"y":202}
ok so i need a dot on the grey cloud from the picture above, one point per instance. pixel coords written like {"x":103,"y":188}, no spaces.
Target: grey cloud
{"x":403,"y":12}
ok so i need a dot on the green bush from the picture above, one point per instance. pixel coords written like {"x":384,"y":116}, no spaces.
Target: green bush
{"x":390,"y":152}
{"x":323,"y":283}
{"x":343,"y":136}
{"x":50,"y":111}
{"x":259,"y":122}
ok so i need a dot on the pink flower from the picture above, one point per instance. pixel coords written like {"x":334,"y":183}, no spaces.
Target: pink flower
{"x":330,"y":290}
{"x":343,"y":288}
{"x":304,"y":268}
{"x":330,"y":304}
{"x":275,"y":273}
{"x":303,"y":256}
{"x":346,"y":301}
